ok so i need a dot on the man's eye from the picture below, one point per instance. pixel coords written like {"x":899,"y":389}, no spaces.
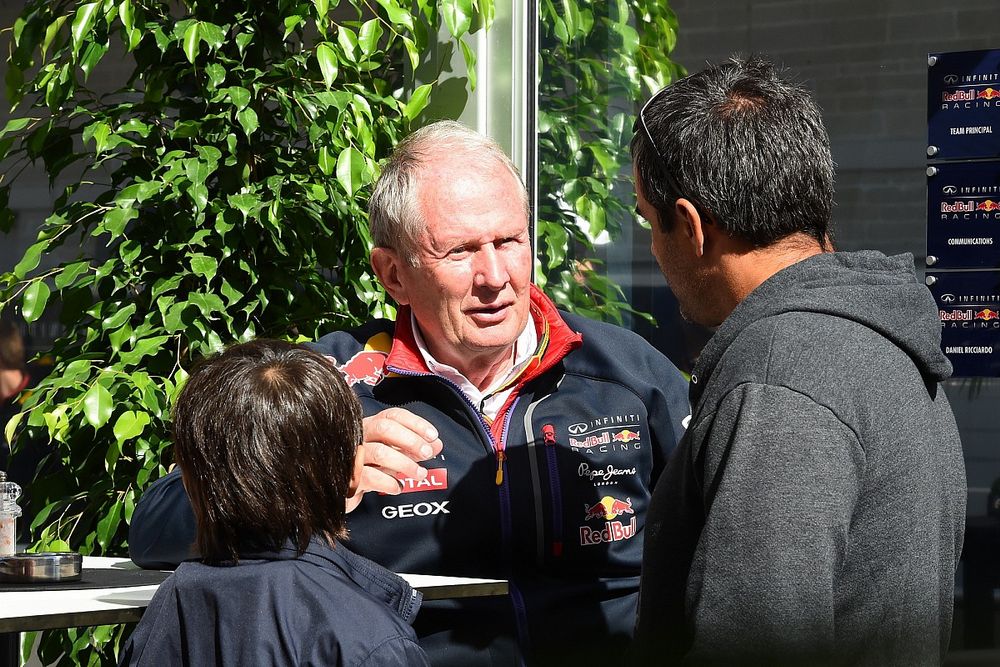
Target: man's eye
{"x":461,"y":250}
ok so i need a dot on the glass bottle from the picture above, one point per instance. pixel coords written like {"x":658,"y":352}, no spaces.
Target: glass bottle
{"x":9,"y":511}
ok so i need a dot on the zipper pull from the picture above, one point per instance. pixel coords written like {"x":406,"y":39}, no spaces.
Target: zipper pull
{"x":501,"y":457}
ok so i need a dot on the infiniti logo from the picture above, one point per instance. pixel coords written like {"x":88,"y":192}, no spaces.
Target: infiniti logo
{"x":951,"y":79}
{"x":577,"y":429}
{"x":949,"y":189}
{"x":947,"y":298}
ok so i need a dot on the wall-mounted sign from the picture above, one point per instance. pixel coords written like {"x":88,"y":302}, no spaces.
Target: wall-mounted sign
{"x":963,"y":215}
{"x":969,"y":307}
{"x":963,"y":105}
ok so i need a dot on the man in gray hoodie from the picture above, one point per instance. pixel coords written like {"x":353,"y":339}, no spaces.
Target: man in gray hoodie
{"x":813,"y":513}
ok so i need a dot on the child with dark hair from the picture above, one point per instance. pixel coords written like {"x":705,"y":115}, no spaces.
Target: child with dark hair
{"x":265,"y":436}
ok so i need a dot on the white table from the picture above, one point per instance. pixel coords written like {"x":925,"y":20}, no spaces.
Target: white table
{"x":22,"y":611}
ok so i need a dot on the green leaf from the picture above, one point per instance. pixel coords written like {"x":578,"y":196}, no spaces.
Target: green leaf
{"x":322,"y":8}
{"x":127,"y":15}
{"x":97,"y":405}
{"x":248,"y":120}
{"x":327,"y":58}
{"x":192,"y":38}
{"x":325,"y":161}
{"x":216,"y":74}
{"x":470,"y":63}
{"x":239,"y":96}
{"x":118,"y":318}
{"x":199,"y":195}
{"x":212,"y":35}
{"x":350,"y":170}
{"x":70,"y":273}
{"x":204,"y":266}
{"x":418,"y":101}
{"x":130,"y":425}
{"x":397,"y":14}
{"x":248,"y":204}
{"x":291,"y":23}
{"x":129,"y":250}
{"x":16,"y":125}
{"x":11,"y":427}
{"x":368,"y":37}
{"x":36,"y":296}
{"x":51,"y":32}
{"x":107,"y":526}
{"x":412,"y":52}
{"x":83,"y":22}
{"x":32,"y":256}
{"x":348,"y":42}
{"x":457,"y":16}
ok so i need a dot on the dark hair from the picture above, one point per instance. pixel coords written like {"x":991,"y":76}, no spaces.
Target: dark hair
{"x":11,"y":347}
{"x":265,"y":435}
{"x":745,"y":146}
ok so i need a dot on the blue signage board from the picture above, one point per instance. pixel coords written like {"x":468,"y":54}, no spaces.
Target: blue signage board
{"x":969,"y":307}
{"x":963,"y":105}
{"x":963,"y":215}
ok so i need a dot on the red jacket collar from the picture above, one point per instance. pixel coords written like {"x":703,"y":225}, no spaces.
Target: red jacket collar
{"x":556,"y":339}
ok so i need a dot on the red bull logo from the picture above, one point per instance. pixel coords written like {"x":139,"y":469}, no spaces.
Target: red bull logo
{"x":988,"y":94}
{"x":987,"y":314}
{"x":608,"y":508}
{"x":612,"y":531}
{"x":965,"y":95}
{"x":625,"y":435}
{"x":956,"y":315}
{"x":958,"y":207}
{"x":367,"y":367}
{"x":988,"y":205}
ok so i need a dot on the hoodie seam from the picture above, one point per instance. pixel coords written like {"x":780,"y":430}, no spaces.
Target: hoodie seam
{"x":747,"y":383}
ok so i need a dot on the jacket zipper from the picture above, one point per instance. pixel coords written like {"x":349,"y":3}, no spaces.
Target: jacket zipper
{"x":556,"y":504}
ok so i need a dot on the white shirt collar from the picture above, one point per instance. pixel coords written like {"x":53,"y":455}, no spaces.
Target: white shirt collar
{"x":524,"y":349}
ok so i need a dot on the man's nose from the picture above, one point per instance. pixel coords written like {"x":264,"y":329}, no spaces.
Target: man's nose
{"x":491,"y":271}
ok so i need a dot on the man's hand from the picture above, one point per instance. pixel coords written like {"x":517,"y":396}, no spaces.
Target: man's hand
{"x":394,"y":440}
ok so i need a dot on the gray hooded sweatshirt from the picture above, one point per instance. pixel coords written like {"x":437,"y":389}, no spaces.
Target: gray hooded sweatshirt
{"x":813,"y":513}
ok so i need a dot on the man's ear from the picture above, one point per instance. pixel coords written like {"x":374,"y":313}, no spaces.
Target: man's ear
{"x":388,"y":266}
{"x":686,"y":214}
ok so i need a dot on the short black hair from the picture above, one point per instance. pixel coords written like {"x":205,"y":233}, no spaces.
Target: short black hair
{"x":743,"y":144}
{"x":265,"y":435}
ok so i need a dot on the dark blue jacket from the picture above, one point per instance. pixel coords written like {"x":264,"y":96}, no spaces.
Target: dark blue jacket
{"x":327,"y":607}
{"x":552,"y":495}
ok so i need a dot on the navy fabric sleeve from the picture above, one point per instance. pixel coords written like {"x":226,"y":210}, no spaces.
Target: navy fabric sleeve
{"x":162,"y":531}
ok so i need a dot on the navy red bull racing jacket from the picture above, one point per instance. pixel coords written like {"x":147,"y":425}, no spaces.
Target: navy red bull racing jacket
{"x":551,"y":495}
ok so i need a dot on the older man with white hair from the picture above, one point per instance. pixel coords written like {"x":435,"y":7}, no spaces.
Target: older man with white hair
{"x":542,"y":432}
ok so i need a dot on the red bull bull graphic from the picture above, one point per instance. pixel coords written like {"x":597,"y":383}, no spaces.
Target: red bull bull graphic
{"x":367,"y":367}
{"x":608,"y":509}
{"x":625,"y":435}
{"x":987,"y":314}
{"x":988,"y":205}
{"x":988,"y":94}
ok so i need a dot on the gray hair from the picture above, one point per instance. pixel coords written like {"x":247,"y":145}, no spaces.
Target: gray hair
{"x":394,"y":215}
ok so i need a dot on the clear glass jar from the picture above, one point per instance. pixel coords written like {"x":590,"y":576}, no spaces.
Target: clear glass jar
{"x":9,"y":511}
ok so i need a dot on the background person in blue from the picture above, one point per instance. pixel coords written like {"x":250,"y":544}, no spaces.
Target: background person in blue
{"x":265,"y":436}
{"x":554,"y":427}
{"x":813,"y":513}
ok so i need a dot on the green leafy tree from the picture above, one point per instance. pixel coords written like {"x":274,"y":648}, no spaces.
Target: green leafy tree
{"x":221,"y":190}
{"x":598,"y":61}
